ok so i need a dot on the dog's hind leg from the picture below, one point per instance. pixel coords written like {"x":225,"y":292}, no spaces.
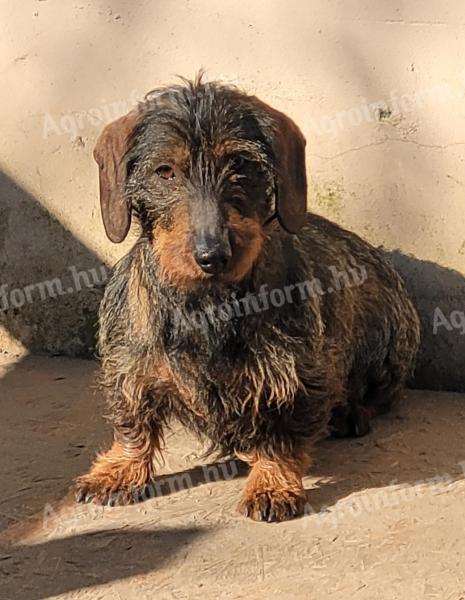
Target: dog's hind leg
{"x":369,"y":396}
{"x":351,"y":419}
{"x":385,"y":383}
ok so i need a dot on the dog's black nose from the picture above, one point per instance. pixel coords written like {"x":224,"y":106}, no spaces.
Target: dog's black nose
{"x":212,"y":260}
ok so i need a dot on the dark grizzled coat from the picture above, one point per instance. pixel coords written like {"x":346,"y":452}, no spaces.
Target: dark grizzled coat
{"x":269,"y":380}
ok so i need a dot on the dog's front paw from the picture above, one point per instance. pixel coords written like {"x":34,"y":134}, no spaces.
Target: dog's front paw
{"x":103,"y":490}
{"x":114,"y":480}
{"x":273,"y":505}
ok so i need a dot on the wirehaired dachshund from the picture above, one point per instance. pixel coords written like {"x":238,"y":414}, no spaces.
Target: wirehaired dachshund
{"x":286,"y":346}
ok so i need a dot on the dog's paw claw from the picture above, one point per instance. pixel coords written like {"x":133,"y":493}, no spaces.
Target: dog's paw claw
{"x":112,"y":499}
{"x":85,"y":495}
{"x":80,"y":495}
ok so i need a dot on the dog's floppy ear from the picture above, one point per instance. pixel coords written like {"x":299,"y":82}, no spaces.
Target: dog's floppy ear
{"x":109,"y":153}
{"x":291,"y":189}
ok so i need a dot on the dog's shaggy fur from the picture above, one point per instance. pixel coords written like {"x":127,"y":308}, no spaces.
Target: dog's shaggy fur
{"x":203,"y":161}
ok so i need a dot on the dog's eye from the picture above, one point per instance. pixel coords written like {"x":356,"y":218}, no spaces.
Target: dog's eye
{"x":165,"y":172}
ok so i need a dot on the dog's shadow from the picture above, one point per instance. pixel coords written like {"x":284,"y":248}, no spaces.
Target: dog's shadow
{"x":214,"y":472}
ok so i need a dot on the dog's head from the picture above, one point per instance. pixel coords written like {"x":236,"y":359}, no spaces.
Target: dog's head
{"x":205,"y":167}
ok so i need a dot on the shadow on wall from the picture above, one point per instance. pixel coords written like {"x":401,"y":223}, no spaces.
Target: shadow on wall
{"x":439,"y":295}
{"x":50,"y":283}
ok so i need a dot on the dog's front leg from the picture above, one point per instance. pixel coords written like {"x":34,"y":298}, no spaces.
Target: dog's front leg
{"x":119,"y":475}
{"x":274,"y":489}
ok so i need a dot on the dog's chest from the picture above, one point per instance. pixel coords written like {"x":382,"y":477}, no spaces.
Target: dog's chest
{"x":204,"y":394}
{"x":225,"y":371}
{"x":204,"y":365}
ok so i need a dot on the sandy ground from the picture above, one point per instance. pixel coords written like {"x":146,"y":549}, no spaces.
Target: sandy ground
{"x":386,"y":513}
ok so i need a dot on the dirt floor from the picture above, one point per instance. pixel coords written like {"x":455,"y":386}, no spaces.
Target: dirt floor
{"x":386,"y":513}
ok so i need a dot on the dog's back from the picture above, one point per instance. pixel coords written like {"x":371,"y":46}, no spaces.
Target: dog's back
{"x":367,"y":316}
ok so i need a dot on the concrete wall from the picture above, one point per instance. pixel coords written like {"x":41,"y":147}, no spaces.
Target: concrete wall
{"x":378,"y":88}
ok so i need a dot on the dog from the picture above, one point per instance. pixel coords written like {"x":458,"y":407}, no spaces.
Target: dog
{"x":217,"y":181}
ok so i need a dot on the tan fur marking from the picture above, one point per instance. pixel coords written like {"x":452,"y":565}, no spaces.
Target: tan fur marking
{"x":173,"y":247}
{"x":121,"y":471}
{"x":247,"y":240}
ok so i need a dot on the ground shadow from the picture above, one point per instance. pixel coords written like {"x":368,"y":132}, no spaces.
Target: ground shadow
{"x":54,"y":567}
{"x":171,"y":483}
